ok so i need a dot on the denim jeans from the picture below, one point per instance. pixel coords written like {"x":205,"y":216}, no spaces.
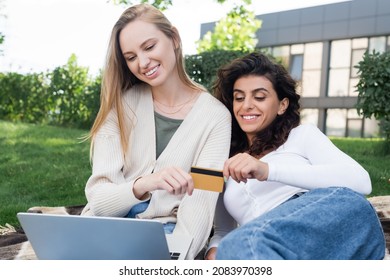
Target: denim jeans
{"x":322,"y":224}
{"x":141,"y":207}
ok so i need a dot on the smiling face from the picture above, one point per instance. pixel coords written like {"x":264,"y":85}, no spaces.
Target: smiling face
{"x":256,"y":104}
{"x":148,"y":52}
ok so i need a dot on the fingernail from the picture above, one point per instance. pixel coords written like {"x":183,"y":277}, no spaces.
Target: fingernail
{"x":225,"y":179}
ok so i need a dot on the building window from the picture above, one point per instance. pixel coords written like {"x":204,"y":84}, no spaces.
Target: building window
{"x":388,"y":44}
{"x":309,"y":116}
{"x":340,"y":63}
{"x":283,"y":54}
{"x":357,"y":56}
{"x":296,"y":66}
{"x":311,"y":76}
{"x":354,"y":125}
{"x":378,"y":44}
{"x":336,"y":122}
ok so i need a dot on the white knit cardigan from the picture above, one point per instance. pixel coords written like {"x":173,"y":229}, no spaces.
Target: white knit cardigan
{"x":203,"y":139}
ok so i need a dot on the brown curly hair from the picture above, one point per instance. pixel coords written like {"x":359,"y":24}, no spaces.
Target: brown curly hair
{"x":276,"y":133}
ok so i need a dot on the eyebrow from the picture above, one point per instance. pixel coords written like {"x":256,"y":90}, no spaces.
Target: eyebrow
{"x":252,"y":91}
{"x":142,"y":45}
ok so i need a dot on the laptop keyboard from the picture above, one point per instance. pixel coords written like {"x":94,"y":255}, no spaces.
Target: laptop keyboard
{"x":174,"y":255}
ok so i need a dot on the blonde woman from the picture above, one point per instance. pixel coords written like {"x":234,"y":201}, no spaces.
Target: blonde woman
{"x":154,"y":123}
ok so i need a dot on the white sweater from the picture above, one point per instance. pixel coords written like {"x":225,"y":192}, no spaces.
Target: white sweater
{"x":307,"y":160}
{"x":203,"y":139}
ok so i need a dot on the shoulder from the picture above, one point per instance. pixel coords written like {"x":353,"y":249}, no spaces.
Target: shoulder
{"x":136,"y":93}
{"x":305,"y":129}
{"x":213,"y":105}
{"x":305,"y":133}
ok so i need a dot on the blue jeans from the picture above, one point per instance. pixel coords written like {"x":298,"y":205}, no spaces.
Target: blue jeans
{"x":322,"y":224}
{"x":141,"y":207}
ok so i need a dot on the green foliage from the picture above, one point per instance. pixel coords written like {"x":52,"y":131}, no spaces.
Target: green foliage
{"x":203,"y":67}
{"x":69,"y":87}
{"x":67,"y":96}
{"x":21,"y":97}
{"x":159,"y":4}
{"x":236,"y":31}
{"x":374,"y":88}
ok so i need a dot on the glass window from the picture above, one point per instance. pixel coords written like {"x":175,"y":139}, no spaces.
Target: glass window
{"x":282,"y":53}
{"x":313,"y":56}
{"x":296,"y":66}
{"x":360,"y":43}
{"x":311,"y":82}
{"x":354,"y":124}
{"x":335,"y":122}
{"x":378,"y":44}
{"x":357,"y":55}
{"x":388,"y":43}
{"x":338,"y":82}
{"x":297,"y":49}
{"x":266,"y":50}
{"x":354,"y":127}
{"x":340,"y":54}
{"x":309,"y":116}
{"x":371,"y":128}
{"x":352,"y":87}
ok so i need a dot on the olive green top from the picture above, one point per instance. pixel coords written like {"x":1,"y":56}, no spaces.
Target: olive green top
{"x":165,"y":128}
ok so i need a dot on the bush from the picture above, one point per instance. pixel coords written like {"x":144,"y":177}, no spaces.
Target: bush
{"x":68,"y":96}
{"x":203,"y":67}
{"x":374,"y":88}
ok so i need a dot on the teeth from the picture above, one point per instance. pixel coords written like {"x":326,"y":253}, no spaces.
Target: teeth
{"x":248,"y":117}
{"x":151,"y":71}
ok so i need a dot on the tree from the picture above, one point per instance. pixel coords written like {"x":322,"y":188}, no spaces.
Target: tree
{"x":374,"y":88}
{"x":161,"y":4}
{"x":69,"y":86}
{"x":236,"y":32}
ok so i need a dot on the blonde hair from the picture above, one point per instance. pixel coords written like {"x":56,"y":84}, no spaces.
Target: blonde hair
{"x":117,"y":77}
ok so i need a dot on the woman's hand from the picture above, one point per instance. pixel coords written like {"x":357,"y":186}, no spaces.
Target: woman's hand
{"x":172,"y":179}
{"x":211,"y":254}
{"x":244,"y":166}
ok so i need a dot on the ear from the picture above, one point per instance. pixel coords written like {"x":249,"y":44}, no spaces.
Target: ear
{"x":283,"y":105}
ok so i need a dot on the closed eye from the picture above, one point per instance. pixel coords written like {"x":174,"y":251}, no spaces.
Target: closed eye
{"x":150,"y":47}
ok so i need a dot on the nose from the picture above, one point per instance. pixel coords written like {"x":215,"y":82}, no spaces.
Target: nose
{"x":248,"y":103}
{"x":143,"y":61}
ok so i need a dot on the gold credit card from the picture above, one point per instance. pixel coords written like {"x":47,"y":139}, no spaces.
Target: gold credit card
{"x":207,"y":179}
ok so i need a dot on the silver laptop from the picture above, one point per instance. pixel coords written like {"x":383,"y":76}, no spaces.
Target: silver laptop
{"x":73,"y":237}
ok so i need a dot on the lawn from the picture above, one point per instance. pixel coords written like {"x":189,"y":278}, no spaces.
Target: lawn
{"x":41,"y":165}
{"x":49,"y":166}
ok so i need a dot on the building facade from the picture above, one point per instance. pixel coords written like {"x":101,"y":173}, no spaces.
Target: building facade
{"x":320,"y":46}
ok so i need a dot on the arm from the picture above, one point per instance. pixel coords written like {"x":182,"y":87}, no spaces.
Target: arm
{"x":328,"y":166}
{"x":107,"y":191}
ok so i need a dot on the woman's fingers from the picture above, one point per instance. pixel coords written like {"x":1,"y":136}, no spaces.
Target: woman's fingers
{"x":175,"y":181}
{"x":241,"y":167}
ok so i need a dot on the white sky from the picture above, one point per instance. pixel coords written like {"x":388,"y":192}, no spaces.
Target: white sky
{"x":42,"y":34}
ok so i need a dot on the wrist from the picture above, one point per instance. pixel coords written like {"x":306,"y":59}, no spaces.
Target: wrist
{"x":138,"y":191}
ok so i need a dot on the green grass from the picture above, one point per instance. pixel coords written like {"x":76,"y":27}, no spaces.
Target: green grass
{"x":374,"y":156}
{"x":49,"y":166}
{"x":40,"y":165}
